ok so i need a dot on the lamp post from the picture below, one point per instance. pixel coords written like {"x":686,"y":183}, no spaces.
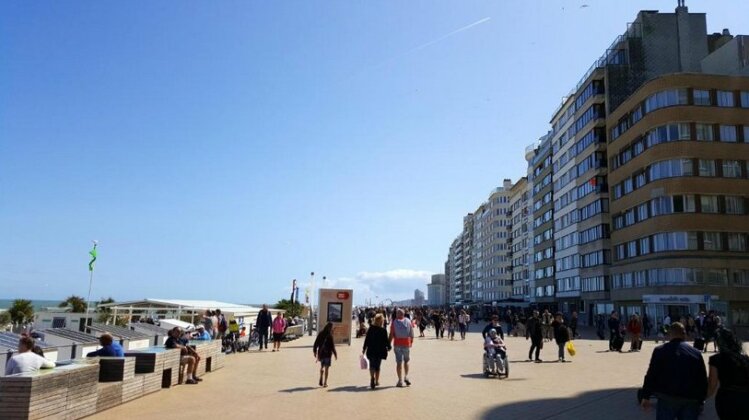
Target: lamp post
{"x":311,"y":299}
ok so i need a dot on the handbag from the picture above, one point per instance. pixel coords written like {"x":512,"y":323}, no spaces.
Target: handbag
{"x":571,"y":348}
{"x":363,"y":362}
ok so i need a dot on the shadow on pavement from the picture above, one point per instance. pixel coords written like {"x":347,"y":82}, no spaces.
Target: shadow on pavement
{"x":298,"y":389}
{"x":481,"y":376}
{"x":611,"y":404}
{"x":350,"y":388}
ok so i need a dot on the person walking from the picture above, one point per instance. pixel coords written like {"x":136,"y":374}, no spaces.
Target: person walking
{"x":376,"y":348}
{"x":634,"y":328}
{"x":614,"y":332}
{"x":573,"y":325}
{"x":278,"y":328}
{"x":493,"y":325}
{"x":561,"y":334}
{"x":546,"y":319}
{"x":437,"y":321}
{"x":729,"y":376}
{"x":402,"y":337}
{"x":463,"y":321}
{"x":709,"y":330}
{"x":324,"y":350}
{"x":534,"y":331}
{"x":646,"y":325}
{"x":677,"y":377}
{"x":263,"y":324}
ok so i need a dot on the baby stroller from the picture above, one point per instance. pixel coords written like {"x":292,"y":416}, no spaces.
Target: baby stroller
{"x":361,"y":331}
{"x":496,"y":364}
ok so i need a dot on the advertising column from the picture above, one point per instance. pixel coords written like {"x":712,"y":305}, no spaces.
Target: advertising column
{"x":336,"y":306}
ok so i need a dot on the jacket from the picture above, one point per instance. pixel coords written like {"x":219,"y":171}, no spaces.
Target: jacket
{"x":533,"y":329}
{"x":376,"y":343}
{"x":561,"y":333}
{"x":264,"y":320}
{"x":676,"y":370}
{"x":324,"y":347}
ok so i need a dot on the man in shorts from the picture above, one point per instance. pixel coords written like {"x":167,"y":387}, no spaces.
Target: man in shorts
{"x":189,"y":356}
{"x":402,"y":337}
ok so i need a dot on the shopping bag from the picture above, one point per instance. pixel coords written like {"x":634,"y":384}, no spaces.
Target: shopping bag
{"x":571,"y":348}
{"x":363,"y":362}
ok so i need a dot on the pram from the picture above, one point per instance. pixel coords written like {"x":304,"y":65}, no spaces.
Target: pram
{"x":496,"y":364}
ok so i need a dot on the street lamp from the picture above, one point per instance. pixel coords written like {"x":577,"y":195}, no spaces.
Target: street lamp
{"x":311,"y":299}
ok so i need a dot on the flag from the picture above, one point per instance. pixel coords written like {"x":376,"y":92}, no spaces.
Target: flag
{"x":93,"y":258}
{"x":293,"y":287}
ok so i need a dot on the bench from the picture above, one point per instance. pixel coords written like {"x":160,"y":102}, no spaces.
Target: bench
{"x":157,"y":361}
{"x":70,"y":389}
{"x":293,"y":332}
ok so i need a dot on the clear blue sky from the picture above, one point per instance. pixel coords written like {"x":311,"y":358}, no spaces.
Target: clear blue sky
{"x":219,"y":149}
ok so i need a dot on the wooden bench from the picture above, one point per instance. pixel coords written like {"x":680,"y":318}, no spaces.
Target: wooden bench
{"x":67,"y":391}
{"x":157,"y":361}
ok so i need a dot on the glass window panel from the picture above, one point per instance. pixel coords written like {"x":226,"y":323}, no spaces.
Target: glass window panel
{"x":728,"y":133}
{"x":734,"y":205}
{"x":712,"y":241}
{"x":732,"y":169}
{"x":709,"y":203}
{"x":704,"y":132}
{"x":707,"y":167}
{"x":701,"y":97}
{"x":725,"y":98}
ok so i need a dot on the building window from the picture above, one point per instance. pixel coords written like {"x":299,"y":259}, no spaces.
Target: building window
{"x":704,"y":132}
{"x":745,"y":99}
{"x":746,"y":134}
{"x":737,"y":242}
{"x":728,"y":133}
{"x":725,"y":98}
{"x":707,"y":167}
{"x":701,"y":97}
{"x":711,"y":241}
{"x":734,"y":205}
{"x":645,"y":246}
{"x":732,"y":169}
{"x":709,"y":203}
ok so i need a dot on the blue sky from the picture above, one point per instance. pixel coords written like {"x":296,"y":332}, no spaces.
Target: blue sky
{"x":219,"y":149}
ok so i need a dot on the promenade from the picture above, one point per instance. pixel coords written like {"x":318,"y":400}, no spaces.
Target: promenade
{"x":447,"y":383}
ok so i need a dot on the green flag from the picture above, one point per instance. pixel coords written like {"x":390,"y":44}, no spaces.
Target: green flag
{"x":93,"y":258}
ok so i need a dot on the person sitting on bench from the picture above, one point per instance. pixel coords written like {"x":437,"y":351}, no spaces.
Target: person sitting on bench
{"x":26,"y":361}
{"x":189,"y":355}
{"x":109,"y":348}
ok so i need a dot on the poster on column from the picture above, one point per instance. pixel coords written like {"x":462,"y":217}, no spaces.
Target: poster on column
{"x":336,"y":306}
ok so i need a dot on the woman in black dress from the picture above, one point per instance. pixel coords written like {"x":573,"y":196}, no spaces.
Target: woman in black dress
{"x":376,"y":347}
{"x":729,"y":375}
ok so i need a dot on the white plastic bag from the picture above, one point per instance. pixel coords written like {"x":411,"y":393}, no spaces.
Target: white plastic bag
{"x":363,"y":362}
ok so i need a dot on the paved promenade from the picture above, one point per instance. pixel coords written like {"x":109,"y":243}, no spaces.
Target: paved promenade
{"x":447,"y":383}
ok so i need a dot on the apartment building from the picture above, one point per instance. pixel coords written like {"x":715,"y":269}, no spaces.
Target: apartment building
{"x":520,"y":239}
{"x":678,"y":156}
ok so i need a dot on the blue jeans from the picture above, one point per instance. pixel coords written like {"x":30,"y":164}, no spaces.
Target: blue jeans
{"x":669,"y":409}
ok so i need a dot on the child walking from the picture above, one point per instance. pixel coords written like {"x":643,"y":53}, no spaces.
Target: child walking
{"x":324,"y":350}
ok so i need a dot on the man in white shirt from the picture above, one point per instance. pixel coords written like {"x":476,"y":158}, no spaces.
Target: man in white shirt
{"x":25,"y":360}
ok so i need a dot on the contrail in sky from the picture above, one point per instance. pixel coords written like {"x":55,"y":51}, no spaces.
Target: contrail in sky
{"x":448,"y":35}
{"x":422,"y":46}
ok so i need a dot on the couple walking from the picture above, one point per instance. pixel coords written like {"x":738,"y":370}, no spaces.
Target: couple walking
{"x":377,"y":344}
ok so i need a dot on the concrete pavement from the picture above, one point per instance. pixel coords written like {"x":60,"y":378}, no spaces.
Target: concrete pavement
{"x":447,"y":383}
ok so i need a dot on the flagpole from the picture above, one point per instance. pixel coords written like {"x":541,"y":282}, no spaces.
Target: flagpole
{"x":90,"y":284}
{"x":90,"y":280}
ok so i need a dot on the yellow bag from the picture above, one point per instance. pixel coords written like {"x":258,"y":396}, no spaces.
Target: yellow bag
{"x":571,"y":348}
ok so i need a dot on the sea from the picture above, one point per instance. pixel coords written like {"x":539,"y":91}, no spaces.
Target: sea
{"x":39,"y":305}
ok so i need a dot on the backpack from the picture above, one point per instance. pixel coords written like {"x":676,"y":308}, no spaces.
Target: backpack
{"x":222,"y":324}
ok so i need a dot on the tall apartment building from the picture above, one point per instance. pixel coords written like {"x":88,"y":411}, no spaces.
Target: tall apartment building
{"x":492,"y":274}
{"x":520,"y":239}
{"x":678,"y":151}
{"x":542,"y":244}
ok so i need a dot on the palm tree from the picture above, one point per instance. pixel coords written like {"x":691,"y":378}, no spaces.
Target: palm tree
{"x":21,"y":312}
{"x":77,"y":304}
{"x":104,"y":313}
